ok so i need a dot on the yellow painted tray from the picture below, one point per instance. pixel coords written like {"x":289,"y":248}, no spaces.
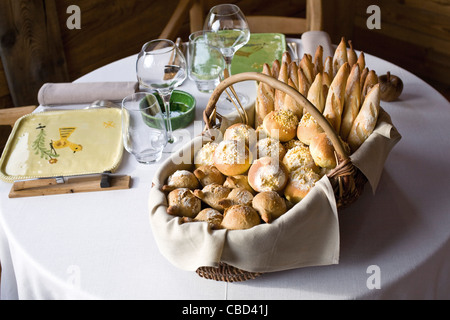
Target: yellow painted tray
{"x":63,"y":143}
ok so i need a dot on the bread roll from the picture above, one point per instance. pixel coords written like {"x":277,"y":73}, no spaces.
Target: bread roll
{"x":268,"y":174}
{"x":265,"y":98}
{"x":204,"y":156}
{"x":209,"y":175}
{"x":239,"y":181}
{"x":292,"y":144}
{"x":232,"y":157}
{"x":181,"y":179}
{"x":340,"y":56}
{"x":270,"y":205}
{"x":183,"y":202}
{"x":322,"y":151}
{"x":299,"y":157}
{"x":281,"y":125}
{"x":212,"y":194}
{"x":308,"y":128}
{"x":366,"y":120}
{"x":334,"y":104}
{"x":301,"y":181}
{"x":211,"y":216}
{"x":239,"y":217}
{"x":237,"y":196}
{"x":352,"y":101}
{"x":241,"y":132}
{"x":270,"y":147}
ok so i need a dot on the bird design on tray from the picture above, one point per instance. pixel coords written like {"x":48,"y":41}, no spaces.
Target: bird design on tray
{"x":63,"y":142}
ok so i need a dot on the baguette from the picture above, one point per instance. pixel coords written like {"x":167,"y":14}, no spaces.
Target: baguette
{"x":352,"y":101}
{"x":316,"y":93}
{"x":361,"y":61}
{"x":307,"y":67}
{"x":318,"y":60}
{"x":351,"y":55}
{"x":334,"y":104}
{"x":280,"y":95}
{"x":340,"y":56}
{"x":366,"y":120}
{"x":265,"y":99}
{"x":369,"y":83}
{"x":291,"y":104}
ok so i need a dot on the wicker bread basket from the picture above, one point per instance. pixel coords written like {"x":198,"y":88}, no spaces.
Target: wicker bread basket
{"x":347,"y":180}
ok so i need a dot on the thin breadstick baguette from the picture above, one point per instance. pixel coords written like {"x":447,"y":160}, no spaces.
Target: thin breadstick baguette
{"x":366,"y":119}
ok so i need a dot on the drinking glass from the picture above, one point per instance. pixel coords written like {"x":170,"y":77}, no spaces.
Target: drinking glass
{"x":229,"y":32}
{"x":161,"y":66}
{"x":143,"y":127}
{"x":205,"y":62}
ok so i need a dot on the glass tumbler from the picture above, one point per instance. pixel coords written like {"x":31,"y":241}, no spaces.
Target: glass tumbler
{"x":205,"y":63}
{"x":143,"y":129}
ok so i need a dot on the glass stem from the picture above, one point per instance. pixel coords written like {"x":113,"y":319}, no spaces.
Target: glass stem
{"x":166,"y":99}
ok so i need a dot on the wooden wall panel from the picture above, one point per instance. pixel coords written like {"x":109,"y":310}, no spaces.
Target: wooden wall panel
{"x":414,"y":34}
{"x":30,"y":47}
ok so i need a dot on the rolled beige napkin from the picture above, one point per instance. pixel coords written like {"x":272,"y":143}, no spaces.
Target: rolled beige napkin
{"x":84,"y":92}
{"x":312,"y":39}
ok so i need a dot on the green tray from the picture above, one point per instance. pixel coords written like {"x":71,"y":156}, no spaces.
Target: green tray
{"x":261,"y":48}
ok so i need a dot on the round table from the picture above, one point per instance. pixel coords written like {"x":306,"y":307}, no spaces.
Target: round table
{"x":395,"y":243}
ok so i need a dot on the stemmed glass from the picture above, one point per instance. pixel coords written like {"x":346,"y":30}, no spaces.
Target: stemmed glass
{"x":229,"y":32}
{"x":161,"y":66}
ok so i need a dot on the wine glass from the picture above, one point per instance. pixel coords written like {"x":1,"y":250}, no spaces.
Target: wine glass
{"x":161,"y":66}
{"x":229,"y":32}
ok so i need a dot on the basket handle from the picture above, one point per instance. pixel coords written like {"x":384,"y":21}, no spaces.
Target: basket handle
{"x":278,"y":85}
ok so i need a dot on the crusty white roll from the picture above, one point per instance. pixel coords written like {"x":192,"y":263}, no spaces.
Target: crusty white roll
{"x":211,"y":216}
{"x":240,"y":217}
{"x":270,"y":205}
{"x":301,"y":181}
{"x":241,"y":132}
{"x":183,"y":202}
{"x":212,"y":194}
{"x":322,"y":151}
{"x":204,"y":156}
{"x":181,"y":179}
{"x":299,"y":157}
{"x":292,"y":144}
{"x":308,"y":128}
{"x":232,"y":157}
{"x":270,"y":147}
{"x":281,"y":125}
{"x":268,"y":174}
{"x":366,"y":120}
{"x":208,"y":174}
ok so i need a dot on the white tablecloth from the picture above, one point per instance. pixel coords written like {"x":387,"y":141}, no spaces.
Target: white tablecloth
{"x":395,"y":244}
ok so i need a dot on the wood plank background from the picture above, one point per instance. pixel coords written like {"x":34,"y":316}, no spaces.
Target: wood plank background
{"x":35,"y":40}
